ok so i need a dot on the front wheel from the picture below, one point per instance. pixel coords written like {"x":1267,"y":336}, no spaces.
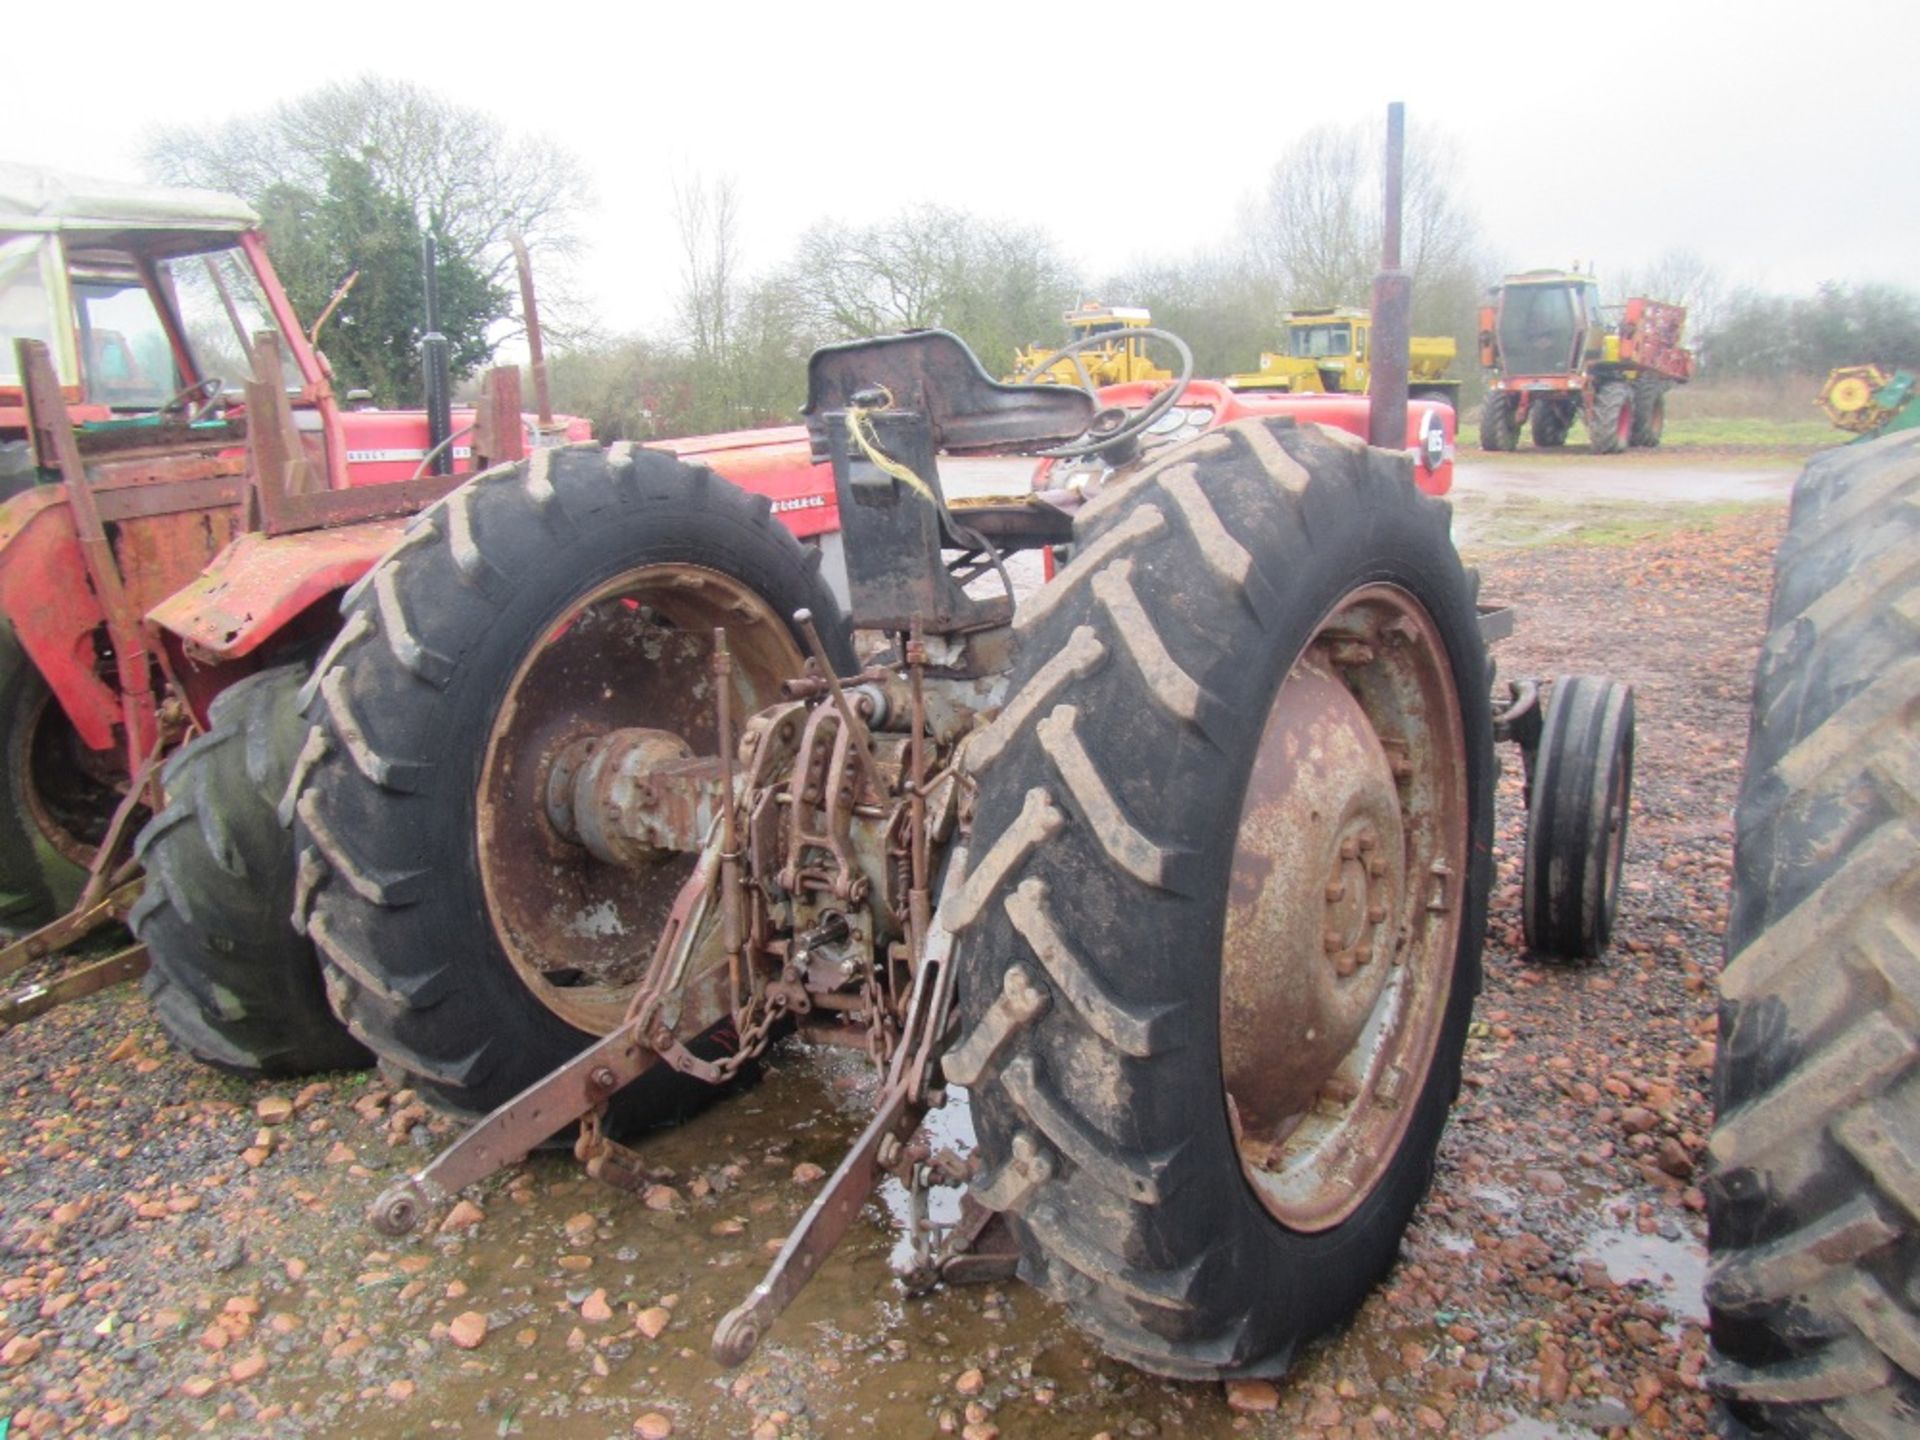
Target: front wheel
{"x":1610,"y":426}
{"x":231,"y":980}
{"x":1499,"y":421}
{"x":466,"y":941}
{"x":1649,"y":411}
{"x":1551,"y":421}
{"x":1577,"y":803}
{"x":1210,"y":1063}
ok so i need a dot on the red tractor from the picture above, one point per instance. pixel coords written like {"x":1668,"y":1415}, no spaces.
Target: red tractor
{"x":183,"y":504}
{"x":1552,"y":355}
{"x":1176,"y":871}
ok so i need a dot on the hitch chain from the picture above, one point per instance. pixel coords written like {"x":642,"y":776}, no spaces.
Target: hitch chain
{"x":934,"y":1242}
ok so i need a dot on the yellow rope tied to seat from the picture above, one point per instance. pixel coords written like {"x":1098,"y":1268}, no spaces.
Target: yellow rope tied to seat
{"x":861,"y":428}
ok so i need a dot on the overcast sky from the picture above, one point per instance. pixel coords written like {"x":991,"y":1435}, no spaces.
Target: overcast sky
{"x":1779,"y":140}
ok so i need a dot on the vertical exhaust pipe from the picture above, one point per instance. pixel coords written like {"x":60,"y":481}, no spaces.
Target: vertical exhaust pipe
{"x":1392,"y":306}
{"x":436,"y":363}
{"x":536,"y":349}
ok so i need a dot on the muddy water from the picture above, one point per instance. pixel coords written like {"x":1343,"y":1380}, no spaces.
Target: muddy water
{"x":853,"y":1355}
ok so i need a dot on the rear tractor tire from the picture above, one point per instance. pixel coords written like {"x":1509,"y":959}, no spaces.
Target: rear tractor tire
{"x":44,"y":798}
{"x":1610,"y":426}
{"x":1499,"y":425}
{"x":1550,"y":422}
{"x":1210,"y":1063}
{"x":465,"y":942}
{"x":231,"y":980}
{"x":1649,"y":411}
{"x":1813,"y":1179}
{"x":1578,"y":798}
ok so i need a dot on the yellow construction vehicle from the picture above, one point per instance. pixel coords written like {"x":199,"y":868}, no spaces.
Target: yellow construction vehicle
{"x":1123,"y":358}
{"x":1327,"y":353}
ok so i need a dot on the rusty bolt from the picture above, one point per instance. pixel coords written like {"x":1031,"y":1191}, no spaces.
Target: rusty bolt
{"x":1346,"y":964}
{"x":889,"y":1153}
{"x":602,"y":1079}
{"x":1333,"y":940}
{"x":1376,"y":865}
{"x":1336,"y":892}
{"x":1376,"y":913}
{"x":1402,"y":767}
{"x":1368,"y":842}
{"x":1349,"y":850}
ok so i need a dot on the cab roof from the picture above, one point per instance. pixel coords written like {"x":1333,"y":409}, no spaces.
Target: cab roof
{"x":35,"y":200}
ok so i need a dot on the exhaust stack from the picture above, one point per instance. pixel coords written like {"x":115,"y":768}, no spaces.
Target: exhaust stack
{"x":1392,"y":307}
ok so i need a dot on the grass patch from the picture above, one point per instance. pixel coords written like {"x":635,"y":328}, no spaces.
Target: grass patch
{"x":1742,"y":434}
{"x":1737,"y":416}
{"x":1526,"y":523}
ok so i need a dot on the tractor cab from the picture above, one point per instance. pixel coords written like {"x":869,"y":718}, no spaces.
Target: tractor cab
{"x":148,"y":301}
{"x":1335,"y":341}
{"x":1547,"y":322}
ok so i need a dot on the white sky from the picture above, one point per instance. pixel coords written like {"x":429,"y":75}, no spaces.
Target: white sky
{"x":1780,"y":140}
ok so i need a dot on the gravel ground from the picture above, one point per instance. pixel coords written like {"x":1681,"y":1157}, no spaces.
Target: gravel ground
{"x":183,"y":1253}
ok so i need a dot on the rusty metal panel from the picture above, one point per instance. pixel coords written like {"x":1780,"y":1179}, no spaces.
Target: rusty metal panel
{"x":159,"y":554}
{"x":363,"y":502}
{"x":259,"y":583}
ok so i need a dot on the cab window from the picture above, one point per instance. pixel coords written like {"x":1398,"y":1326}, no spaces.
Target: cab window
{"x":125,"y":356}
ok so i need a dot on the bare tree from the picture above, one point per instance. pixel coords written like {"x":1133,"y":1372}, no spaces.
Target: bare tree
{"x":1679,"y":276}
{"x":999,"y":286}
{"x":457,"y":167}
{"x":1314,"y":232}
{"x":707,"y":213}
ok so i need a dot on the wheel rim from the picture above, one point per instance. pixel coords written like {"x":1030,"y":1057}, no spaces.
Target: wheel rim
{"x":635,"y":652}
{"x":1623,"y":428}
{"x":1344,"y":908}
{"x":67,"y":788}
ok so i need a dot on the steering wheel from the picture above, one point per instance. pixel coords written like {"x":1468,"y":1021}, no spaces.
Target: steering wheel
{"x":208,"y":389}
{"x":1113,"y":426}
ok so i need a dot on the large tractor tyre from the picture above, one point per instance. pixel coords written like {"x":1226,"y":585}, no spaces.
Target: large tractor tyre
{"x":1610,"y":426}
{"x":1577,"y":803}
{"x":1550,"y":423}
{"x":42,"y":867}
{"x":465,"y":942}
{"x":1210,"y":1062}
{"x":1499,"y":422}
{"x":1649,"y":412}
{"x":231,"y":980}
{"x":1813,"y":1188}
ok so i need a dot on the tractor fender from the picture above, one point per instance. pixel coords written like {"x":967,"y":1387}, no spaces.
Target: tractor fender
{"x":776,"y":463}
{"x":47,"y":598}
{"x":259,"y":584}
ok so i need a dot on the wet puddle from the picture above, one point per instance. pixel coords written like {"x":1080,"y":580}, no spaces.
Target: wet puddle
{"x":1674,"y":1268}
{"x":852,"y":1355}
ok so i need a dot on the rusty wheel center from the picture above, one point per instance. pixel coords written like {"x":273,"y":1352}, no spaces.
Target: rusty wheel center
{"x":1343,"y":908}
{"x":633,"y":655}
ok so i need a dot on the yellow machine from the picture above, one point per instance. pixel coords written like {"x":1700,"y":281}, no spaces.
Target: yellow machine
{"x":1869,"y":401}
{"x":1327,"y":354}
{"x":1121,"y":359}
